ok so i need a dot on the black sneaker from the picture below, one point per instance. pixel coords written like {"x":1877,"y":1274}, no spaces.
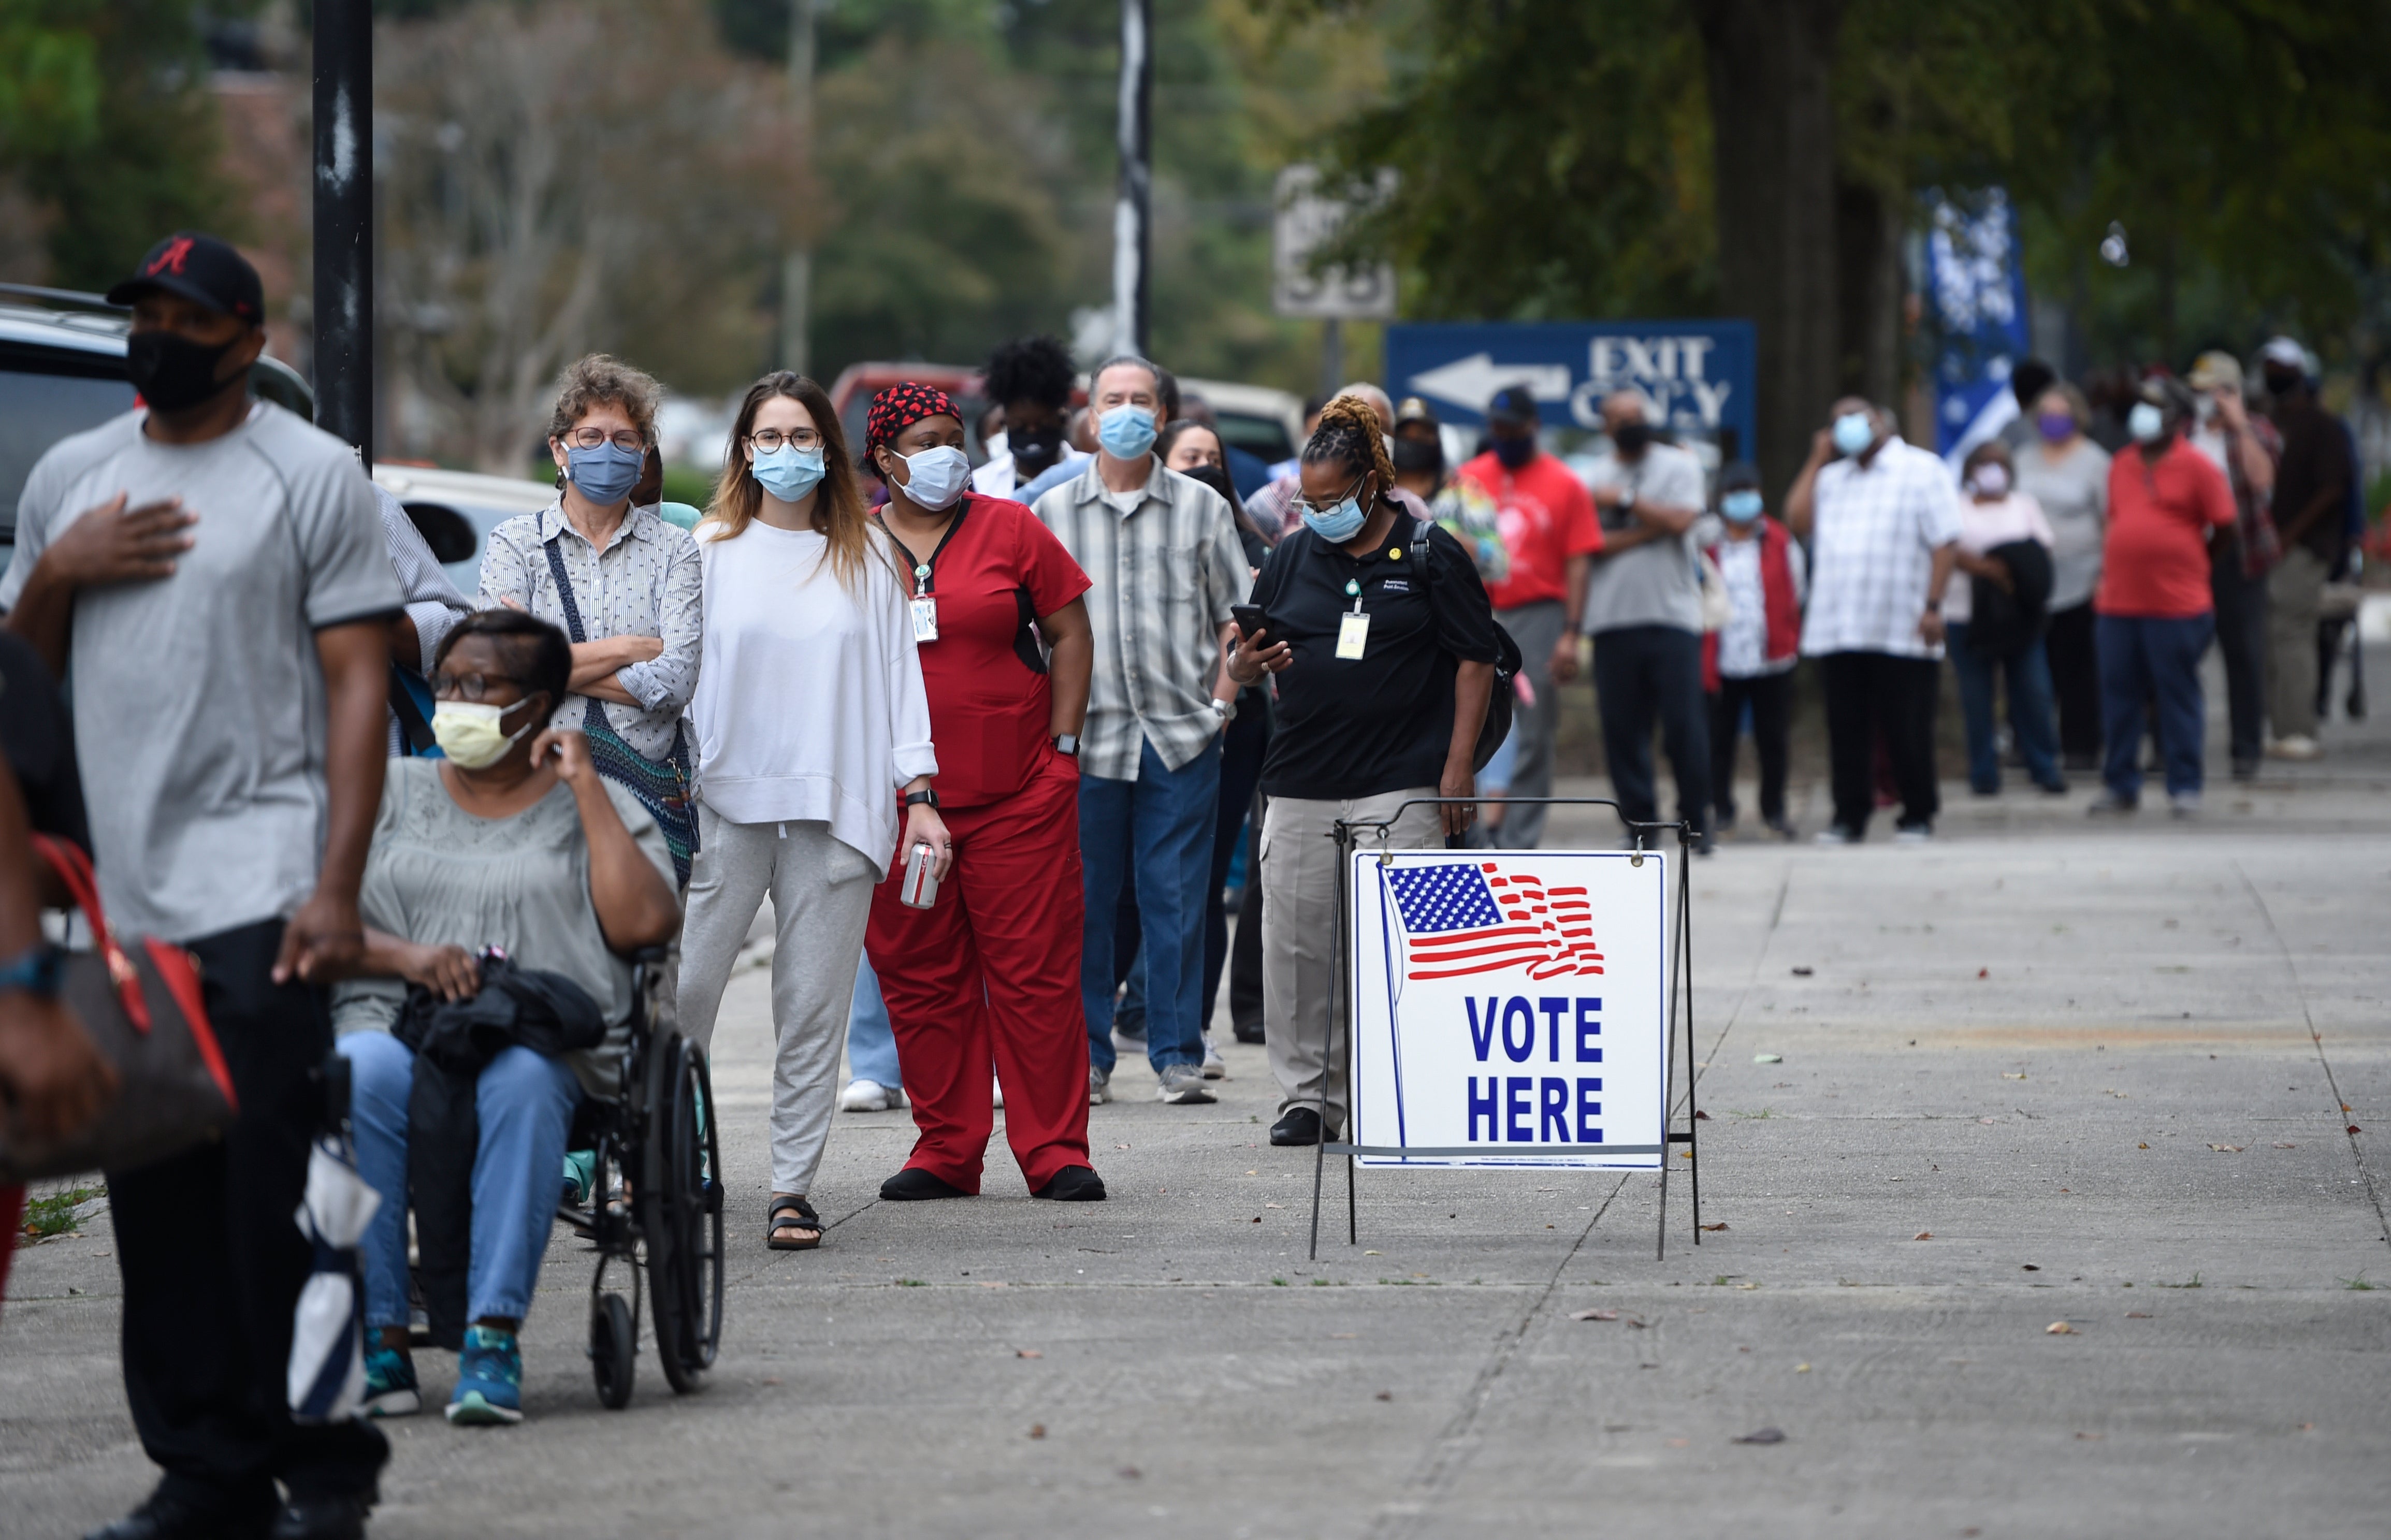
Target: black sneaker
{"x":323,"y":1517}
{"x":1300,"y":1126}
{"x":1073,"y":1184}
{"x":913,"y":1183}
{"x":168,"y":1517}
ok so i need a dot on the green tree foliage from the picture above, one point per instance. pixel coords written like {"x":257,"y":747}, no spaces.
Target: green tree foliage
{"x":106,"y":129}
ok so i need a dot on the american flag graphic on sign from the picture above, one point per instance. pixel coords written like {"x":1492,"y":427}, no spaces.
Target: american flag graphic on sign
{"x":1462,"y":918}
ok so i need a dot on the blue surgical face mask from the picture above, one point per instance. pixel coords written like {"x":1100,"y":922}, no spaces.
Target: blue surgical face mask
{"x":606,"y":474}
{"x":789,"y":472}
{"x":1340,"y":523}
{"x":1742,"y":507}
{"x":1853,"y":432}
{"x":1126,"y":430}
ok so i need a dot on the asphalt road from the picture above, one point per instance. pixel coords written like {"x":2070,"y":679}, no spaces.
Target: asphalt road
{"x":2127,"y":1080}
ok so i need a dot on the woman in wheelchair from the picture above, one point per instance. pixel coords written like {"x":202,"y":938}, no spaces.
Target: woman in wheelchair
{"x":515,"y":842}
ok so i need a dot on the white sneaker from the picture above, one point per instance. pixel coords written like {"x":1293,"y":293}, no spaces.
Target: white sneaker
{"x":870,"y":1096}
{"x":1000,"y":1093}
{"x":1834,"y":834}
{"x":1215,"y":1066}
{"x":1914,"y":834}
{"x":1100,"y":1086}
{"x":1182,"y":1085}
{"x":2184,"y":803}
{"x":2299,"y":746}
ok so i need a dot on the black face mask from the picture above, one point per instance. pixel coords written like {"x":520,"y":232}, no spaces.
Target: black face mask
{"x":1414,"y":455}
{"x":172,"y":372}
{"x":1516,"y":452}
{"x":1035,"y":450}
{"x":1215,"y":478}
{"x":2284,"y":381}
{"x":1632,"y":438}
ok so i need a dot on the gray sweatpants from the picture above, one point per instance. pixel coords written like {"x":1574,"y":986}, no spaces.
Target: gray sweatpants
{"x":1536,"y":627}
{"x":1300,"y":1030}
{"x":821,"y":895}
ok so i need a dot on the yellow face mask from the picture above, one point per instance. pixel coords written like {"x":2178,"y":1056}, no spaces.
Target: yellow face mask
{"x":468,"y":733}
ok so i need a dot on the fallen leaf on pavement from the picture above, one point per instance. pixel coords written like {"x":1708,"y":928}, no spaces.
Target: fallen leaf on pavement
{"x":2030,"y":1267}
{"x":2007,"y":1076}
{"x":1803,"y":973}
{"x":1800,"y":1368}
{"x":1701,"y":1116}
{"x":2142,"y":1146}
{"x":1923,"y":1235}
{"x":1768,"y":1058}
{"x":1028,"y":1352}
{"x":1595,"y":1316}
{"x":1988,"y":1119}
{"x":1720,"y":1225}
{"x":1037,"y":1430}
{"x":1385,"y":1395}
{"x":1766,"y":1435}
{"x":2138,"y":1316}
{"x":2060,"y":1328}
{"x":1983,"y":972}
{"x":2353,"y":1129}
{"x":2091,"y":1438}
{"x":2280,"y":1145}
{"x":2229,"y":1149}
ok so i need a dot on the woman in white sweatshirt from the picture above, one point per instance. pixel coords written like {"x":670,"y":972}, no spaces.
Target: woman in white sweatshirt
{"x":811,"y":719}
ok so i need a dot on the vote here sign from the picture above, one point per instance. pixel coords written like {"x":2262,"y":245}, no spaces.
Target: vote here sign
{"x":1510,"y":1008}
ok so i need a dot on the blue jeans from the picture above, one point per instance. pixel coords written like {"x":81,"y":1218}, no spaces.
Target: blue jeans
{"x":1163,"y":821}
{"x":871,"y":1042}
{"x":525,"y":1103}
{"x":2030,"y":710}
{"x":2145,"y":657}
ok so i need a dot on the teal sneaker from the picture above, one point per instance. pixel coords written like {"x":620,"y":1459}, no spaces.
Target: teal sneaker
{"x":391,"y":1389}
{"x":580,"y":1175}
{"x":489,"y":1378}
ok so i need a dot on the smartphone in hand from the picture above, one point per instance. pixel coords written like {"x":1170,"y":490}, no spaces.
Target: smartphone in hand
{"x":1251,"y":621}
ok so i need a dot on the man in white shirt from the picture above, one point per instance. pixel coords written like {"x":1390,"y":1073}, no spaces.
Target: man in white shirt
{"x":1643,"y":610}
{"x":1883,"y":523}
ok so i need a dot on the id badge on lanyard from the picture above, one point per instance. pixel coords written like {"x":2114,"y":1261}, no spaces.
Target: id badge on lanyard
{"x":923,"y":606}
{"x":1353,"y":626}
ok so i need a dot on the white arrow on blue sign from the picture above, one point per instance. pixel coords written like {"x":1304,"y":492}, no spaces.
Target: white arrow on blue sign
{"x":1695,"y":377}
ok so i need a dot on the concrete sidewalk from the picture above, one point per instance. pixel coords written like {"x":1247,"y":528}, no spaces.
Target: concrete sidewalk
{"x":2109,"y":1072}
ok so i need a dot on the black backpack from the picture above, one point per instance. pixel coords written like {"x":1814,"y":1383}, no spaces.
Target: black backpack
{"x":1507,"y":662}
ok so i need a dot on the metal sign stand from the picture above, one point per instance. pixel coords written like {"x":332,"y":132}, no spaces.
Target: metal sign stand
{"x":1349,"y":836}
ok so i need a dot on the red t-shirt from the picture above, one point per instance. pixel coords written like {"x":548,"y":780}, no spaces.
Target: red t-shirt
{"x":1546,"y":516}
{"x":2155,"y":563}
{"x":990,"y":709}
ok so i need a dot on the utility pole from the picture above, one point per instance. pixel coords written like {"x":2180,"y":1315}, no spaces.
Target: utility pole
{"x":797,"y":267}
{"x":343,"y":235}
{"x":1133,"y":210}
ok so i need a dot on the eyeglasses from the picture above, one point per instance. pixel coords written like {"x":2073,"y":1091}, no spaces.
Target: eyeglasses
{"x":767,"y":440}
{"x":1313,"y":505}
{"x":469,"y":686}
{"x":589,"y":438}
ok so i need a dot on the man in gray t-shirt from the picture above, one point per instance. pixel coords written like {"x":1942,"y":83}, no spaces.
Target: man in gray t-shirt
{"x":1643,"y":610}
{"x":213,"y":569}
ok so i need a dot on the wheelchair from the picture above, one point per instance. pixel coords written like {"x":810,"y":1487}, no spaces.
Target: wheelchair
{"x":655,"y":1204}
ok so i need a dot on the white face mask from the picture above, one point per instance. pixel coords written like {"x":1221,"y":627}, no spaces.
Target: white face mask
{"x":2145,"y":422}
{"x":468,"y":733}
{"x":934,"y":478}
{"x":1991,"y":479}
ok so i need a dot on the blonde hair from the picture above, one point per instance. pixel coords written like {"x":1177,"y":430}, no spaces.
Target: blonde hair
{"x":600,"y":379}
{"x":839,"y":514}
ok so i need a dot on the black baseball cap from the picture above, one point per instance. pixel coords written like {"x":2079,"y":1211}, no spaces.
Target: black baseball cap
{"x":1738,"y":475}
{"x":201,"y":269}
{"x":1513,"y":405}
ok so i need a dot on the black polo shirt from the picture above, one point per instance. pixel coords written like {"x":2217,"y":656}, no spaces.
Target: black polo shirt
{"x":1382,"y":722}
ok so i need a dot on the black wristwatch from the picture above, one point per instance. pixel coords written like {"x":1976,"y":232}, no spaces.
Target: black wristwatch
{"x":926,"y":794}
{"x":1068,"y":743}
{"x":34,"y":970}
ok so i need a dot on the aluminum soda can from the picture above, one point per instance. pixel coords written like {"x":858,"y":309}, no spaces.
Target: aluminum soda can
{"x":921,"y":886}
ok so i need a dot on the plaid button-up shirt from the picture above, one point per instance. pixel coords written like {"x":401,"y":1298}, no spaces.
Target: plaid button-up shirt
{"x":1873,"y":534}
{"x":1163,"y":568}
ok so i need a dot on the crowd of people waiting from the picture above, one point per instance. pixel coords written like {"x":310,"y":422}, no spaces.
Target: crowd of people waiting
{"x":989,"y":740}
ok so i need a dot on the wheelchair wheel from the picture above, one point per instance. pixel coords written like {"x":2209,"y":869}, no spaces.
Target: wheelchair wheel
{"x":614,"y":1350}
{"x":684,"y":1233}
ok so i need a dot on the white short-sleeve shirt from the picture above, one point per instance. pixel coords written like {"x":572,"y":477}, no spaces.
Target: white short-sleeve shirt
{"x":1873,"y":534}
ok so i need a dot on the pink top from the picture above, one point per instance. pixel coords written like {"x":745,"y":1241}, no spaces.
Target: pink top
{"x":1984,"y":525}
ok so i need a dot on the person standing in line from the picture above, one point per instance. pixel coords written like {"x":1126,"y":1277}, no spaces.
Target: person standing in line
{"x":2030,"y":379}
{"x":618,"y":580}
{"x":1883,"y":520}
{"x":432,"y":609}
{"x":2311,"y":482}
{"x":1161,"y":552}
{"x":2165,"y":501}
{"x":1365,"y":726}
{"x":1549,"y":531}
{"x":2245,"y":448}
{"x":1748,"y":664}
{"x":1084,"y":437}
{"x":1272,"y":508}
{"x":991,"y":969}
{"x":2068,"y":474}
{"x":875,"y":1079}
{"x":1643,"y":610}
{"x":812,"y":722}
{"x":217,"y":567}
{"x":1994,"y":521}
{"x":1030,"y":379}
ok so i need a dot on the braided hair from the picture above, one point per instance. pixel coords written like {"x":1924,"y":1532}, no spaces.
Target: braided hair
{"x":1348,"y":434}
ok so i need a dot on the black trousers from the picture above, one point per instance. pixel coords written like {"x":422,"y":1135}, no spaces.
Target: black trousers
{"x":212,"y":1263}
{"x":1643,"y":674}
{"x":1771,"y":699}
{"x":2076,"y":681}
{"x":1873,"y":693}
{"x":2242,"y":642}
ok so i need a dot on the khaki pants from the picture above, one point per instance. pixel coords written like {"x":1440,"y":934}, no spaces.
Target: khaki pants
{"x":2295,"y":594}
{"x":1300,"y":960}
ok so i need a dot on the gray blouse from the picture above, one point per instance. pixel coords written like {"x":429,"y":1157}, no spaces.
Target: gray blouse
{"x":645,"y":583}
{"x":439,"y":875}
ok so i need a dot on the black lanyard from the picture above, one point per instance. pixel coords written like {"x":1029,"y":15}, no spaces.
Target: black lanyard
{"x":926,"y":572}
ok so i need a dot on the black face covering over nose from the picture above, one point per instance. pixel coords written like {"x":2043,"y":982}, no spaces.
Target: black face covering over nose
{"x":1034,"y":449}
{"x":1632,"y":437}
{"x":1418,"y":454}
{"x":171,"y":371}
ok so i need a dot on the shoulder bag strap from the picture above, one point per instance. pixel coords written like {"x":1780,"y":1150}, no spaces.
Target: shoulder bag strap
{"x":563,"y":588}
{"x":73,"y":867}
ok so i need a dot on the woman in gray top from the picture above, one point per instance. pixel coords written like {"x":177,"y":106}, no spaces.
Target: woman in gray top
{"x":621,"y":582}
{"x":512,"y":841}
{"x":2068,"y":474}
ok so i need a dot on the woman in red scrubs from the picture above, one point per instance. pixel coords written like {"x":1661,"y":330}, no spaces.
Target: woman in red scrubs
{"x":991,"y":969}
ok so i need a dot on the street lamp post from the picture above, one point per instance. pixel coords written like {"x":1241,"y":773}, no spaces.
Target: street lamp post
{"x":798,"y":266}
{"x":344,"y":232}
{"x":1134,"y":208}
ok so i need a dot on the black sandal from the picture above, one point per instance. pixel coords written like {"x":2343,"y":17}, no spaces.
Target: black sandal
{"x":806,"y":1220}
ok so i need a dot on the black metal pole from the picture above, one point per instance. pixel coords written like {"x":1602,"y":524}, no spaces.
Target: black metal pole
{"x":1133,"y":209}
{"x":343,"y":272}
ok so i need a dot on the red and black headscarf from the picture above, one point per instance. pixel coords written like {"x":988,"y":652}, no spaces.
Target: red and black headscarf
{"x":898,"y":408}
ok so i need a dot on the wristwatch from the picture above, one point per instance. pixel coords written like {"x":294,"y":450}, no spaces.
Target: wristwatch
{"x":1934,"y":606}
{"x":1626,"y":498}
{"x":929,"y":795}
{"x":36,"y":971}
{"x":1068,"y":743}
{"x":1222,"y":709}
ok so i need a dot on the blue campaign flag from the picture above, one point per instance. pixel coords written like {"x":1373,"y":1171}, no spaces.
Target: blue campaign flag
{"x":1976,"y":287}
{"x":1696,"y":376}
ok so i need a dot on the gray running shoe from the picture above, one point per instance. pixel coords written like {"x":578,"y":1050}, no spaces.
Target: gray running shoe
{"x":1100,"y":1086}
{"x":1182,"y":1085}
{"x":1215,"y":1066}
